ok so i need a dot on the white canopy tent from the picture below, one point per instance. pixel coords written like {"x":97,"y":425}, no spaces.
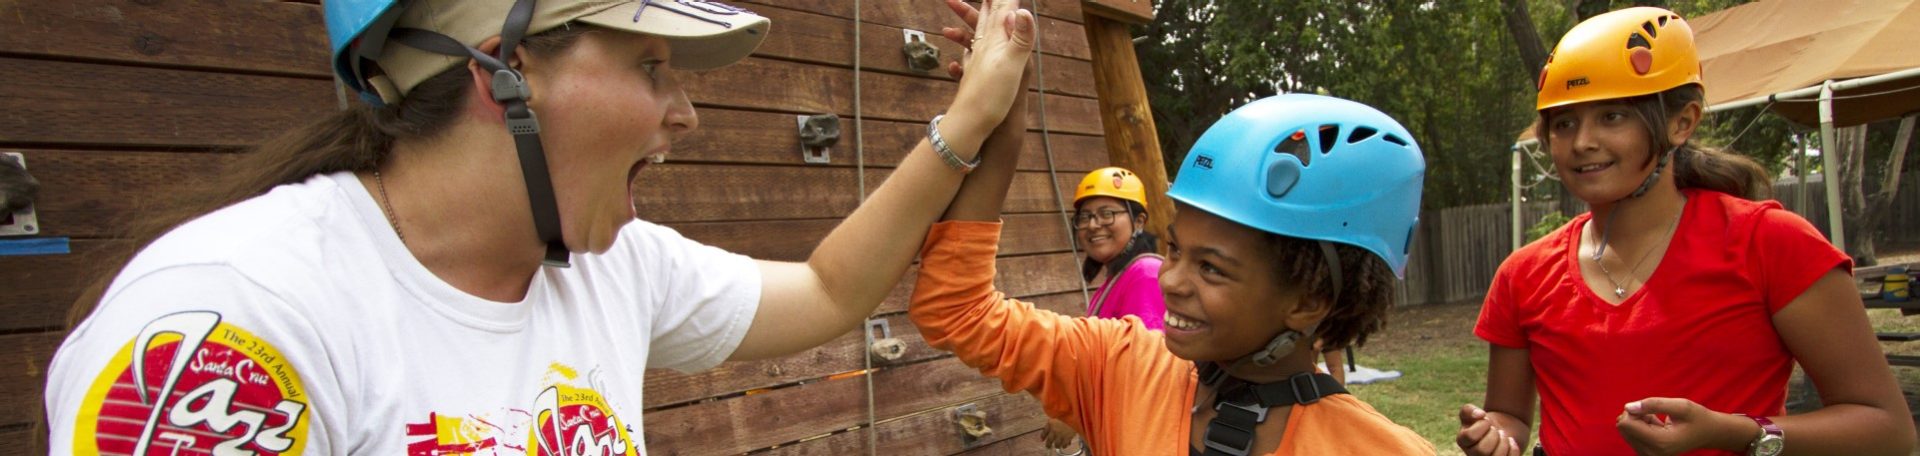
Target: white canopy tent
{"x":1832,"y":63}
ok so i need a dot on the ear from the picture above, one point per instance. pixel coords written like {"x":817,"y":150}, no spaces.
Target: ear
{"x":481,"y":92}
{"x":1680,"y":126}
{"x":1308,"y":312}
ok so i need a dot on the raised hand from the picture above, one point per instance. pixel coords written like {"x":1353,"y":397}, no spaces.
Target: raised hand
{"x":999,"y":43}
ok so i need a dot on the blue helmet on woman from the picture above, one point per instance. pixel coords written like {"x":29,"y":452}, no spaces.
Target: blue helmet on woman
{"x":1311,"y":167}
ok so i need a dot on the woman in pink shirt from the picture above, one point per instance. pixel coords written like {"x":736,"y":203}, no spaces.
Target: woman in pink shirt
{"x":1109,"y":221}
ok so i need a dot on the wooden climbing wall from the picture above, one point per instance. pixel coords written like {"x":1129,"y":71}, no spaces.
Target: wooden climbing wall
{"x":118,"y":103}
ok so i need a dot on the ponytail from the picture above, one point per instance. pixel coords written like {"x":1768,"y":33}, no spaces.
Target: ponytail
{"x":1696,"y":166}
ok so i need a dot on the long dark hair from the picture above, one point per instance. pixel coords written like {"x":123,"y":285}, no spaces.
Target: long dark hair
{"x":1142,"y":242}
{"x":1694,"y":166}
{"x":352,"y":139}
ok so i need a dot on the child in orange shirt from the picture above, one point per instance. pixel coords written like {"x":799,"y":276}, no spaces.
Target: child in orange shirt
{"x":1274,"y":248}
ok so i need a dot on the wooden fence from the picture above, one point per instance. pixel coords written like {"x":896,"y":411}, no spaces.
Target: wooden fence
{"x":1459,"y":248}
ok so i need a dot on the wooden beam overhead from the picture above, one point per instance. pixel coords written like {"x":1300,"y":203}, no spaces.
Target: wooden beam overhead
{"x":1126,"y":11}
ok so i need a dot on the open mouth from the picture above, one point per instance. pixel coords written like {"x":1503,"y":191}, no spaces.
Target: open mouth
{"x":1183,"y":323}
{"x":634,"y":171}
{"x":1592,"y":168}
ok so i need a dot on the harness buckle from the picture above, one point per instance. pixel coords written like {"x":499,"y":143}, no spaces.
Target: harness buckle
{"x":1311,"y":386}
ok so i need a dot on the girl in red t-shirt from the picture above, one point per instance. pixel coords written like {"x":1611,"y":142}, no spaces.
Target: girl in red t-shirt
{"x":1667,"y":319}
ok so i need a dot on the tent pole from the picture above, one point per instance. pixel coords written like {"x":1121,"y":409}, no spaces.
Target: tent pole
{"x":1514,"y":199}
{"x":1830,"y":168}
{"x":1817,"y":90}
{"x":1800,"y":183}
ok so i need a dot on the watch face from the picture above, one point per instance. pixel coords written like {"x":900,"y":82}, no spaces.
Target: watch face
{"x":1769,"y":445}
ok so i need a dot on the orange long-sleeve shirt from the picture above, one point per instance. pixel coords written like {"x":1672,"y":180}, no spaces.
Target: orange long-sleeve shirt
{"x":1112,"y":380}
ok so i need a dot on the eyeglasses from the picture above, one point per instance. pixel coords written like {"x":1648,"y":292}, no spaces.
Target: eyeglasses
{"x":1089,"y":219}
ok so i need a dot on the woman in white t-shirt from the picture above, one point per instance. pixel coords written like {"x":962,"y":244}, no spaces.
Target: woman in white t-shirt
{"x":414,"y":275}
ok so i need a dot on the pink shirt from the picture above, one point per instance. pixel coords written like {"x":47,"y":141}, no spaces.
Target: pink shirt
{"x":1135,"y":291}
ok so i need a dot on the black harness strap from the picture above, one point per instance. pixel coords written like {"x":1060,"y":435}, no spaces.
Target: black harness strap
{"x":1240,"y":406}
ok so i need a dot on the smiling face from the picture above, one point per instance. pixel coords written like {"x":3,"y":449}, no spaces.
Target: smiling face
{"x":608,"y":107}
{"x":1223,"y":301}
{"x":1601,"y":150}
{"x":1103,"y":242}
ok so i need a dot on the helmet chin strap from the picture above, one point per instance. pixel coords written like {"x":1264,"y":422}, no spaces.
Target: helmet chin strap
{"x":1288,"y":341}
{"x":510,"y":90}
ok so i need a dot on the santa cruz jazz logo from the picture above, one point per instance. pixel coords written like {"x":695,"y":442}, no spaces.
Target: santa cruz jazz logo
{"x":189,"y":384}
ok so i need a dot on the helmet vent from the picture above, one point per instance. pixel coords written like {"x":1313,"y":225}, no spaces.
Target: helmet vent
{"x":1329,"y":134}
{"x":1638,"y":41}
{"x":1296,"y":145}
{"x":1648,"y":26}
{"x":1663,"y":20}
{"x":1394,"y":139}
{"x":1361,"y":134}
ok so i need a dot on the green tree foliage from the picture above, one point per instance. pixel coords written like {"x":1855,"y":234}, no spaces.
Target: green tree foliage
{"x":1448,"y":70}
{"x":1443,"y":69}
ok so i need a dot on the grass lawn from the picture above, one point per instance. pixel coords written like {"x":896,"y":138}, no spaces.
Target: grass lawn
{"x":1443,"y":366}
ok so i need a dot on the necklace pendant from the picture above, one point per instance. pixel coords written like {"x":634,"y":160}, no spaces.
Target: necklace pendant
{"x":1620,"y":292}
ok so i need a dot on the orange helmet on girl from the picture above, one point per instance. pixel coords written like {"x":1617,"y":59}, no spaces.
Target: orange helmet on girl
{"x":1626,"y":53}
{"x":1111,"y":181}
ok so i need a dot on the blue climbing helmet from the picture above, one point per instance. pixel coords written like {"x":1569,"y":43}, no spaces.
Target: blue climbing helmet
{"x":1310,"y":167}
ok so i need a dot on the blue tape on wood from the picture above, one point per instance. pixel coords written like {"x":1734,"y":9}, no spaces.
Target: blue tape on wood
{"x":34,"y":246}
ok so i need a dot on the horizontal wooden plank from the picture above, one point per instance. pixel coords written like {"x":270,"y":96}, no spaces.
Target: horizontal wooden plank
{"x":62,"y":102}
{"x":23,"y":375}
{"x":290,"y":38}
{"x":53,"y":102}
{"x":1068,"y":10}
{"x":88,"y":194}
{"x":704,"y":193}
{"x":734,"y":136}
{"x":82,"y":103}
{"x":91,"y":193}
{"x":24,"y":441}
{"x":815,"y":89}
{"x":794,"y":240}
{"x":82,"y":181}
{"x":757,"y":421}
{"x":1011,"y":416}
{"x":816,"y":38}
{"x":41,"y":288}
{"x":1056,"y":36}
{"x":274,"y":37}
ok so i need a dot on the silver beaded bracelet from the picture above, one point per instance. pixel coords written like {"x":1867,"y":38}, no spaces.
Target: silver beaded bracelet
{"x":946,"y":153}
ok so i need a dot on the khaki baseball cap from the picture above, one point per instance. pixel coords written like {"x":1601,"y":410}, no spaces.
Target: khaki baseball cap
{"x":703,"y":34}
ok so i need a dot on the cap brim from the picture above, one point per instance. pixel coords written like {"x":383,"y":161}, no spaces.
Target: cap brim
{"x":701,"y":39}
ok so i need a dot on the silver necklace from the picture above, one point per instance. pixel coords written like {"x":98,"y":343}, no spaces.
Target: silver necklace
{"x":395,"y":220}
{"x":1619,"y":290}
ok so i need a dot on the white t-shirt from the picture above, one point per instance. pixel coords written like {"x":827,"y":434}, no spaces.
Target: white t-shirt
{"x":314,"y":331}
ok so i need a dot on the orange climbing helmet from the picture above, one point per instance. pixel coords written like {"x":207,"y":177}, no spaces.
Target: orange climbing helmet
{"x":1626,"y":53}
{"x":1111,"y":181}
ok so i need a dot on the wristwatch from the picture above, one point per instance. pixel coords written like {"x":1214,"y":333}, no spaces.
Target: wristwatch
{"x":1771,"y":441}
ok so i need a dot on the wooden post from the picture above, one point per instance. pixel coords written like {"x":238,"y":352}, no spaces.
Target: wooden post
{"x":1127,"y":118}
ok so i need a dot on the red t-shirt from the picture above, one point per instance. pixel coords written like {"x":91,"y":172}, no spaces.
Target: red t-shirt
{"x":1701,"y":327}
